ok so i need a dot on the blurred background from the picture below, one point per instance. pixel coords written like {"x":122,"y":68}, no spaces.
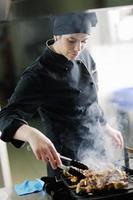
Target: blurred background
{"x":24,"y":29}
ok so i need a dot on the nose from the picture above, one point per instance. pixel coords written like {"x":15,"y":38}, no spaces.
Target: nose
{"x":77,"y":46}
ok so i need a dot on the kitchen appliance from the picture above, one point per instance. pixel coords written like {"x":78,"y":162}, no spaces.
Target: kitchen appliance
{"x":59,"y":188}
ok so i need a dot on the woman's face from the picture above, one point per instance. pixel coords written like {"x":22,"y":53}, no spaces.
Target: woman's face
{"x":70,"y":45}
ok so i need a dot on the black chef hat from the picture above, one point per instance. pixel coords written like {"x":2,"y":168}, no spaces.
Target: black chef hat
{"x":74,"y":23}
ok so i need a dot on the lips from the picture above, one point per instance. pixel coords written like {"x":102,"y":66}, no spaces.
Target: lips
{"x":74,"y":54}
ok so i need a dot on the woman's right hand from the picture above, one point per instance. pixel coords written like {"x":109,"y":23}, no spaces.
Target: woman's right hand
{"x":41,"y":146}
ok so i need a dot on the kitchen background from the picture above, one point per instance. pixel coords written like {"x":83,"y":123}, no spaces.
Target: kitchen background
{"x":111,"y":45}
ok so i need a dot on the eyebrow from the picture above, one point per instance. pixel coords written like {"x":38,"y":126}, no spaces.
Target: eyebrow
{"x":76,"y":38}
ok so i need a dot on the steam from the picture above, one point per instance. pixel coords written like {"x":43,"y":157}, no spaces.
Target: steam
{"x":103,"y":152}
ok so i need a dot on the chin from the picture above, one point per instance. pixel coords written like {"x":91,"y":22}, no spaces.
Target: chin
{"x":72,"y":57}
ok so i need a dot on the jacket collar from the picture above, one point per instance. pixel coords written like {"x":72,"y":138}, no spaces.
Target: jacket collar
{"x":55,"y":56}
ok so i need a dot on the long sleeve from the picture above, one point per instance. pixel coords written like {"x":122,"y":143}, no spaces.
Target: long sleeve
{"x":21,"y":106}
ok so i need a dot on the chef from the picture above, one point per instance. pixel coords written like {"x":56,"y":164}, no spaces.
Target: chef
{"x":61,"y":85}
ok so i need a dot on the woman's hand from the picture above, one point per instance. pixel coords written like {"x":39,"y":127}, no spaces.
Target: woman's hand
{"x":41,"y":146}
{"x":115,"y":135}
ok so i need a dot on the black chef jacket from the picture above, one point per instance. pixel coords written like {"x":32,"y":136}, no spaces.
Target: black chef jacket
{"x":64,"y":93}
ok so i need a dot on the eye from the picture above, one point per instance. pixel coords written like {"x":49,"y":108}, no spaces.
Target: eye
{"x":84,"y":41}
{"x":72,"y":41}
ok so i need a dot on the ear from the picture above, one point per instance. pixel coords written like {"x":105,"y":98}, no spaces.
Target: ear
{"x":56,"y":37}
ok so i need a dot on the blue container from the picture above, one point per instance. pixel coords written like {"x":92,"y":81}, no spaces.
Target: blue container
{"x":123,"y":99}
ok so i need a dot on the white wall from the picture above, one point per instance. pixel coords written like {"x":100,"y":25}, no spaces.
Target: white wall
{"x":112,"y":53}
{"x":115,"y":66}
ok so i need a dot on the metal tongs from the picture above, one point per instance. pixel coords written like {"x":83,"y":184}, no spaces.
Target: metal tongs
{"x":73,"y":167}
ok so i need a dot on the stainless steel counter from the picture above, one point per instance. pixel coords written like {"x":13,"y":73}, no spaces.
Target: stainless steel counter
{"x":9,"y":194}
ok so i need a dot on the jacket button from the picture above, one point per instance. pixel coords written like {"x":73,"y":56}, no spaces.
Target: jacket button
{"x":79,"y":61}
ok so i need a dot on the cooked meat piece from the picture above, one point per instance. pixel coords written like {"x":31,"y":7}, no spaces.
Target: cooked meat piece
{"x":108,"y":178}
{"x":99,"y":180}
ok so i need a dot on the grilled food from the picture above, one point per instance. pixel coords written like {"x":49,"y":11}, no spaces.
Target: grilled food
{"x":109,"y":178}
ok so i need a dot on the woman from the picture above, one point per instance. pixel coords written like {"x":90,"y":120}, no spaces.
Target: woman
{"x":62,"y":86}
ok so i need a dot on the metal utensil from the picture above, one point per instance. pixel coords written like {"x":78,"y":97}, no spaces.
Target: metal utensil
{"x":72,"y":171}
{"x":74,"y":163}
